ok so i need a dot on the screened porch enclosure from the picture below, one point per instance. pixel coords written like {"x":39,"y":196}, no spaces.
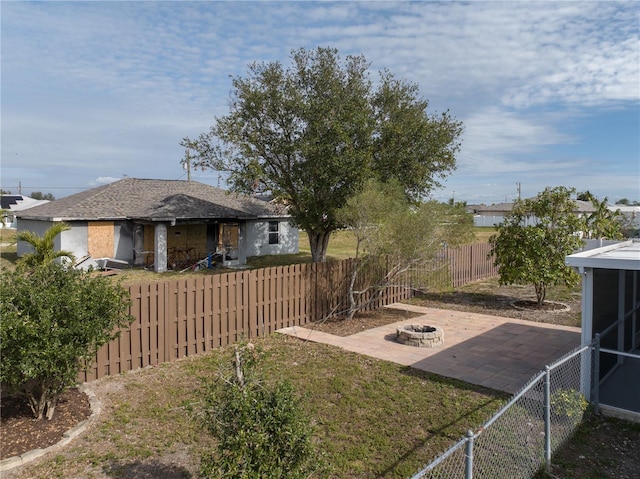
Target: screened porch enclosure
{"x":610,"y":314}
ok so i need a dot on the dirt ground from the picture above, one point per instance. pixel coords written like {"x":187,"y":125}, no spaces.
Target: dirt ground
{"x":21,"y":433}
{"x":603,"y":448}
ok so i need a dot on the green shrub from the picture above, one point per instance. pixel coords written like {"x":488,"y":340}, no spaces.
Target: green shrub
{"x":569,"y":403}
{"x":261,"y":429}
{"x":53,"y":320}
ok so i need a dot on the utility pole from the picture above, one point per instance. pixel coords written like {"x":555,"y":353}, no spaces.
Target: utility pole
{"x":519,"y":189}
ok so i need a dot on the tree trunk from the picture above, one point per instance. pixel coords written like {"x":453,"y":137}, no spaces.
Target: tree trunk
{"x":51,"y":404}
{"x":353,"y":306}
{"x":541,"y":292}
{"x":318,"y":242}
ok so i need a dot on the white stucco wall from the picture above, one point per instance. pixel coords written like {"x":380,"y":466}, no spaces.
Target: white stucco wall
{"x":74,"y":240}
{"x":257,"y":240}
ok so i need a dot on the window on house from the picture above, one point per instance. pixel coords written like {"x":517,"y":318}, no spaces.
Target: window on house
{"x":274,"y":236}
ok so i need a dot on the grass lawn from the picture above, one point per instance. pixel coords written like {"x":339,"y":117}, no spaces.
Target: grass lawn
{"x":8,"y":255}
{"x":370,"y":418}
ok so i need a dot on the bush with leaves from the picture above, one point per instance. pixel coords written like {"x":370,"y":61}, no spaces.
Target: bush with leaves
{"x":52,"y":321}
{"x":404,"y":235}
{"x":531,"y":245}
{"x":261,"y":429}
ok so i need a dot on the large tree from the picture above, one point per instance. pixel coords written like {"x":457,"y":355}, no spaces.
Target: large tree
{"x":531,"y":244}
{"x":313,"y":133}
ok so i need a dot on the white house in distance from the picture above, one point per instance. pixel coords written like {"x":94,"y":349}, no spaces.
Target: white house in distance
{"x":167,"y":223}
{"x":611,"y":309}
{"x":493,"y":215}
{"x":11,"y":204}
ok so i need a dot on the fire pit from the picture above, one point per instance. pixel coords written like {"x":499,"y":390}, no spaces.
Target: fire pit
{"x":420,"y":336}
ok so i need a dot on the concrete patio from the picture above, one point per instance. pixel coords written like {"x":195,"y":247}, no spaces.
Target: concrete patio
{"x":495,"y":352}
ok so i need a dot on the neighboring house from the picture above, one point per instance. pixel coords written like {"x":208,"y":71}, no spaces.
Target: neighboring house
{"x":164,"y":222}
{"x":10,"y":204}
{"x":611,"y":309}
{"x":493,"y":215}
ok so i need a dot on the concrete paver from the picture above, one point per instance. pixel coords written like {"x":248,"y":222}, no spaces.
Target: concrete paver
{"x":495,"y":352}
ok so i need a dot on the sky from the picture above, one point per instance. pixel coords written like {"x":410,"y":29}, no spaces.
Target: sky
{"x":548,"y":92}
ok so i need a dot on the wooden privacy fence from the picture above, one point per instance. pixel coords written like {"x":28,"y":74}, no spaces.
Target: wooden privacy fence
{"x":470,"y":263}
{"x":180,"y":318}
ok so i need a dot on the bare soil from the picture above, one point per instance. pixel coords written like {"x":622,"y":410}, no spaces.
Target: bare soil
{"x":20,"y":432}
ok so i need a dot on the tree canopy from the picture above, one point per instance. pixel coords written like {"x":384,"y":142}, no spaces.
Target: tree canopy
{"x":52,"y":320}
{"x":313,"y":133}
{"x":531,"y":244}
{"x":603,"y":222}
{"x":39,"y":195}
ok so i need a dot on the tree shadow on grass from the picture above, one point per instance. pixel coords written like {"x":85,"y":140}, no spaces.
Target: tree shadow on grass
{"x":151,"y":469}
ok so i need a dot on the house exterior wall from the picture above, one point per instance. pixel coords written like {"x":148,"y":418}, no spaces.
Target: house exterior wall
{"x":487,"y":220}
{"x":73,"y":240}
{"x":116,"y":239}
{"x":188,"y":237}
{"x":257,"y":238}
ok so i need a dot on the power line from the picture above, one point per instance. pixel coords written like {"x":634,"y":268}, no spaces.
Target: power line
{"x":49,"y":187}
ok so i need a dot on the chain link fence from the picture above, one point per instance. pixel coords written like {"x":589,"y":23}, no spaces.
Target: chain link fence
{"x":520,"y":439}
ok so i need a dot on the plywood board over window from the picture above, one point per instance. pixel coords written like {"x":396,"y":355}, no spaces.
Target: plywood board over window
{"x":100,"y":239}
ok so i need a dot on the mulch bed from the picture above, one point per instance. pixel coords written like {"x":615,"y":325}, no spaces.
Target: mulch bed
{"x":20,"y":432}
{"x":361,"y":321}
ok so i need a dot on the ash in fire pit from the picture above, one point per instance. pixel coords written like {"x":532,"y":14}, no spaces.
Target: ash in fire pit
{"x":419,"y":335}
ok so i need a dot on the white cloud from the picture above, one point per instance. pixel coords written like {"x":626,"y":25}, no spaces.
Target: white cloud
{"x":117,"y":85}
{"x":103,"y":180}
{"x":502,"y":141}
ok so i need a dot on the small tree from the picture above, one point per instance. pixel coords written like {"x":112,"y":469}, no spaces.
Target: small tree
{"x":53,"y":321}
{"x":537,"y":234}
{"x":261,"y":429}
{"x":44,"y":250}
{"x":604,"y":223}
{"x":402,"y":234}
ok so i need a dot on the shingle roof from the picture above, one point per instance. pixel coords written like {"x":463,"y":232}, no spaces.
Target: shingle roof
{"x":134,"y":198}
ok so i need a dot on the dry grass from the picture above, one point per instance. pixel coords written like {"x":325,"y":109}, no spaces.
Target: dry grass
{"x":370,"y":418}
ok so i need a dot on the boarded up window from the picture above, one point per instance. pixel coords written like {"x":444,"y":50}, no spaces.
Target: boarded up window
{"x":100,"y":239}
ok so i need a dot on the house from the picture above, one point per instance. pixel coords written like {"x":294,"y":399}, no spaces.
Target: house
{"x":167,"y":223}
{"x":12,"y":203}
{"x":611,"y":310}
{"x":631,"y":215}
{"x":493,"y":215}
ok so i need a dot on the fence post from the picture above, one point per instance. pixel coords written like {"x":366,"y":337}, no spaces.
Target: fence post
{"x":468,"y":455}
{"x":595,"y":395}
{"x":547,"y":418}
